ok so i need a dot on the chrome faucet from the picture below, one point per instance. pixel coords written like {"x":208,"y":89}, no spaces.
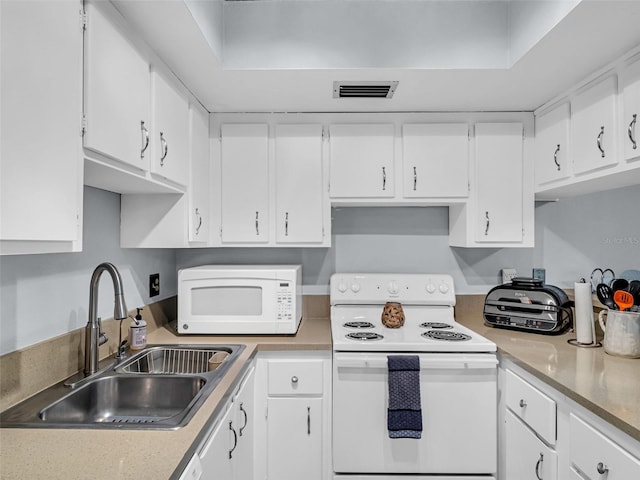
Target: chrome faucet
{"x":94,"y":336}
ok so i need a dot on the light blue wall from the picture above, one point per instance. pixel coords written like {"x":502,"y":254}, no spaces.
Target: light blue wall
{"x":43,"y":296}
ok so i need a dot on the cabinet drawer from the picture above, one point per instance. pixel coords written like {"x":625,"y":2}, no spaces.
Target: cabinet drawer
{"x":527,"y":458}
{"x":534,"y":408}
{"x":596,"y":456}
{"x":299,"y":377}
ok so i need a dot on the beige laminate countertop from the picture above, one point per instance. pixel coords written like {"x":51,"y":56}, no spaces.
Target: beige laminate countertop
{"x":95,"y":454}
{"x":608,"y":386}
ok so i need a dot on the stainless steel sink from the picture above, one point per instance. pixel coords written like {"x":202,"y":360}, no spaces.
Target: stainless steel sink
{"x":160,"y":387}
{"x":126,"y":399}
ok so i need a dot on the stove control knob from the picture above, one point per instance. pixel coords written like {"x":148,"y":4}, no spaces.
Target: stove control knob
{"x":342,"y":287}
{"x":430,"y":287}
{"x":444,"y":288}
{"x":355,"y":287}
{"x":392,"y":288}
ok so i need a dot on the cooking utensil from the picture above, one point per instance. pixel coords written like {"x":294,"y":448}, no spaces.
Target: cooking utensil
{"x":623,"y":299}
{"x":619,"y":284}
{"x":599,"y":276}
{"x":605,"y":295}
{"x":634,"y":289}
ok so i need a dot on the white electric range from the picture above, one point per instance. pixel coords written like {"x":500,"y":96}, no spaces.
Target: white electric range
{"x":457,"y":379}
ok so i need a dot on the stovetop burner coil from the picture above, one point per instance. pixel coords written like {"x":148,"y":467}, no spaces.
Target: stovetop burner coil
{"x":446,"y":335}
{"x":358,"y":325}
{"x":364,"y":336}
{"x":435,"y":325}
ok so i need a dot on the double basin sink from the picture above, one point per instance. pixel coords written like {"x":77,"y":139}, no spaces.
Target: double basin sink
{"x":160,"y":387}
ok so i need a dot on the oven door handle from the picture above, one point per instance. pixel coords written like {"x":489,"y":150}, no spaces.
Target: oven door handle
{"x":427,"y":361}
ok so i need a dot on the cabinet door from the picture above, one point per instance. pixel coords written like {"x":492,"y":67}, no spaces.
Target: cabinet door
{"x":630,"y":87}
{"x":294,"y":432}
{"x":40,"y":148}
{"x":362,"y":158}
{"x":435,"y":160}
{"x":552,"y":145}
{"x":170,"y":138}
{"x":199,"y":183}
{"x":245,"y":179}
{"x":527,"y":458}
{"x":217,"y":456}
{"x":116,"y":93}
{"x":299,"y":184}
{"x":592,"y":122}
{"x":243,"y":405}
{"x":498,"y":182}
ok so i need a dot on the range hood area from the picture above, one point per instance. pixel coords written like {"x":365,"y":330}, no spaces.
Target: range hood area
{"x":447,"y":55}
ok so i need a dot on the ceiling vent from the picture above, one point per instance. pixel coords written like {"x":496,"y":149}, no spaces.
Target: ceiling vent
{"x":364,"y":89}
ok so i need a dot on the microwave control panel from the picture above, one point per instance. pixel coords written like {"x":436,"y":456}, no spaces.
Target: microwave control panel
{"x":285,"y":301}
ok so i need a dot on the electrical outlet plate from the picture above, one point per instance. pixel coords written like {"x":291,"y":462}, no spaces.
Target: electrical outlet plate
{"x":508,"y":274}
{"x":154,"y":284}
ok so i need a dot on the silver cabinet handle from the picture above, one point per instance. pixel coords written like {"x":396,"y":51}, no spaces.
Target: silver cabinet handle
{"x":258,"y":223}
{"x":286,"y":224}
{"x":308,"y":420}
{"x":165,"y":149}
{"x":246,"y":418}
{"x":555,"y":157}
{"x":199,"y":221}
{"x":487,"y":223}
{"x":235,"y":440}
{"x":631,"y":131}
{"x":415,"y":178}
{"x":294,"y":379}
{"x":601,"y":468}
{"x":538,"y":465}
{"x":384,"y":178}
{"x":599,"y":141}
{"x":522,"y":403}
{"x":145,"y":139}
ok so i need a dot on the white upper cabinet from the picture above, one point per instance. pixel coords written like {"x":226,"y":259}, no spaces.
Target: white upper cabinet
{"x":499,"y":212}
{"x":40,"y":142}
{"x":361,"y":161}
{"x":200,"y":182}
{"x":594,"y":137}
{"x":498,"y":182}
{"x":117,"y":96}
{"x":245,"y":183}
{"x":552,"y":145}
{"x":299,"y":184}
{"x":630,"y":88}
{"x":170,"y":137}
{"x":435,"y":160}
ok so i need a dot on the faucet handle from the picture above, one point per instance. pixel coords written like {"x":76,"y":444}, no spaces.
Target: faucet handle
{"x":102,"y":337}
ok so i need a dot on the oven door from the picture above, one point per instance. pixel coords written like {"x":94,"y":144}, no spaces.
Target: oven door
{"x":458,"y":401}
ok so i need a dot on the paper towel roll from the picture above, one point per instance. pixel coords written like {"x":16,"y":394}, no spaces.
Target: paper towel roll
{"x":584,"y":325}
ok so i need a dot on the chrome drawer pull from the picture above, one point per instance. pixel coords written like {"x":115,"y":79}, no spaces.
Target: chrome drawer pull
{"x":599,"y":141}
{"x":145,"y":139}
{"x":555,"y":157}
{"x":538,"y":465}
{"x":294,"y":379}
{"x":384,"y":178}
{"x":246,"y":418}
{"x":630,"y":131}
{"x":165,"y":149}
{"x":235,"y":440}
{"x":601,"y":468}
{"x":522,"y":403}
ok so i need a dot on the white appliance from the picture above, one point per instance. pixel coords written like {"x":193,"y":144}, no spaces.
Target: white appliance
{"x":457,"y":380}
{"x":240,"y":299}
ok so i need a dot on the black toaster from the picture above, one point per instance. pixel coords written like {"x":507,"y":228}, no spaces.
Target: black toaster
{"x":527,"y":304}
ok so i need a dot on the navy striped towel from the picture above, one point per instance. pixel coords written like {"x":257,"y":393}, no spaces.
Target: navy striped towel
{"x":404,"y":415}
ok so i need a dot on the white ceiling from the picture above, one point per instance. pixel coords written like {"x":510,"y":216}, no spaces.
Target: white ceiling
{"x":448,"y":55}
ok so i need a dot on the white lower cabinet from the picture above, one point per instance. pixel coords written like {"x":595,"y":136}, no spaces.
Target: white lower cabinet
{"x":294,"y":438}
{"x":527,"y":457}
{"x":545,"y":435}
{"x":293,"y":390}
{"x":228,"y":452}
{"x":597,"y":456}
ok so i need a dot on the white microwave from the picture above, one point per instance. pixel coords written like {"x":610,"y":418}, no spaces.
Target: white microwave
{"x":240,"y":299}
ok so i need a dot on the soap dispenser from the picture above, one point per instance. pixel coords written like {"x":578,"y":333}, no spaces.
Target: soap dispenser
{"x":138,"y":332}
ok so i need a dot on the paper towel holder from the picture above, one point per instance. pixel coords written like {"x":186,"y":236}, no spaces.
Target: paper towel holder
{"x":576,"y":343}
